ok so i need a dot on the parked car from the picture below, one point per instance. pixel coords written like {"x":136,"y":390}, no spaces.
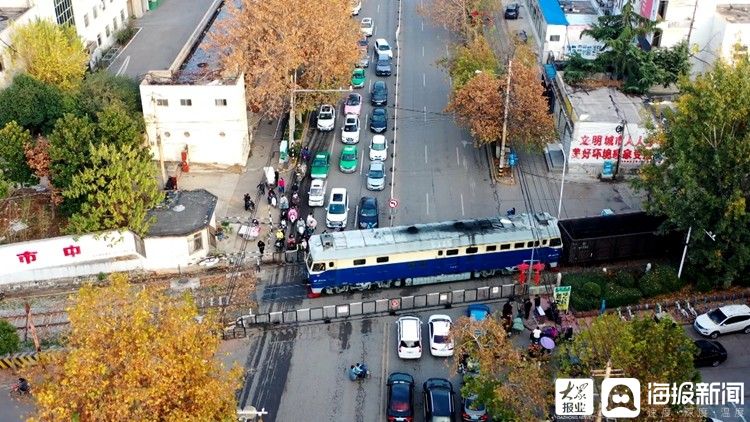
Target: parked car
{"x":400,"y":397}
{"x":382,"y":47}
{"x":710,"y":353}
{"x":474,"y":411}
{"x":478,"y":311}
{"x":316,"y":196}
{"x":368,"y":213}
{"x":348,"y":160}
{"x":379,"y":94}
{"x":378,"y":148}
{"x":376,"y":176}
{"x":358,"y":78}
{"x":409,"y":337}
{"x":366,"y":26}
{"x":320,"y":165}
{"x":356,"y":7}
{"x":326,"y":118}
{"x":438,"y":400}
{"x":353,"y":104}
{"x":439,"y":327}
{"x":364,"y":58}
{"x":363,"y":42}
{"x":383,"y":65}
{"x":512,"y":11}
{"x":350,"y":131}
{"x":727,"y":319}
{"x":338,"y":209}
{"x":378,"y":120}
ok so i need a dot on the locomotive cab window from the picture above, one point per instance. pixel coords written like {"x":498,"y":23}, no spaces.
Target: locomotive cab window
{"x":529,"y":244}
{"x":544,"y":242}
{"x":555,"y":242}
{"x":518,"y":245}
{"x":381,"y":259}
{"x":319,"y":266}
{"x":440,"y":253}
{"x":491,"y":248}
{"x":472,"y":249}
{"x":451,"y":252}
{"x":505,"y":246}
{"x":360,"y":261}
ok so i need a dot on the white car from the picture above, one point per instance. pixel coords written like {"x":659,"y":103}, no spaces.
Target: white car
{"x":382,"y":47}
{"x":316,"y":196}
{"x":727,"y":319}
{"x":378,"y":148}
{"x":338,"y":209}
{"x":366,"y":26}
{"x":326,"y":118}
{"x":350,"y":131}
{"x":356,"y":7}
{"x":440,"y":343}
{"x":409,"y":337}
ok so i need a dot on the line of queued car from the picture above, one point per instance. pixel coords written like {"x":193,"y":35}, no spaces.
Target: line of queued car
{"x":338,"y":202}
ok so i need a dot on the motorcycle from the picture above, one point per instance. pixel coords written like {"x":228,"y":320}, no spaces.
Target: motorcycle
{"x":249,"y":204}
{"x":301,"y":228}
{"x":358,"y":372}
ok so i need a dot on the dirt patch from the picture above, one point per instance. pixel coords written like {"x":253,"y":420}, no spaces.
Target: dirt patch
{"x":28,"y":215}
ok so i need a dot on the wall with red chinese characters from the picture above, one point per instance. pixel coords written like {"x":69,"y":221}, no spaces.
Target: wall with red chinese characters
{"x":595,"y":143}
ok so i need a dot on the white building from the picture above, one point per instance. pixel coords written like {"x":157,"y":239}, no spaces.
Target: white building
{"x":95,"y":21}
{"x":194,"y":114}
{"x":181,"y":236}
{"x":559,"y":27}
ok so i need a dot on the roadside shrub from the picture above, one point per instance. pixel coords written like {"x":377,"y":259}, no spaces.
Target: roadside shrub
{"x":592,"y":289}
{"x":618,"y":295}
{"x":625,"y":279}
{"x":587,"y":290}
{"x":662,"y":279}
{"x":124,"y":35}
{"x":9,"y":341}
{"x":704,"y":282}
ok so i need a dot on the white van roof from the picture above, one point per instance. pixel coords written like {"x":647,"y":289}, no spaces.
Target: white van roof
{"x":410,"y":327}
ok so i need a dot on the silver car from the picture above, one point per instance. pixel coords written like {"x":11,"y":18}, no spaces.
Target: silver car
{"x":376,"y":176}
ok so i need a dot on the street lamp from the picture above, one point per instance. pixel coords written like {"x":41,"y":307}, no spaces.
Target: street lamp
{"x":711,"y":236}
{"x":562,"y":184}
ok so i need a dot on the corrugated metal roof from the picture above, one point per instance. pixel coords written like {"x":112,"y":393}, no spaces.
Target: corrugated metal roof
{"x":419,"y":237}
{"x":552,"y":12}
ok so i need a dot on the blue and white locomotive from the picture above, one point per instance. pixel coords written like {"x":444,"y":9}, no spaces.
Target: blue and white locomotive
{"x":430,"y":253}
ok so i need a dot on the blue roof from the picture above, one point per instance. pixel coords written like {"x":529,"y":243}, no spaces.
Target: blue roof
{"x":552,"y":12}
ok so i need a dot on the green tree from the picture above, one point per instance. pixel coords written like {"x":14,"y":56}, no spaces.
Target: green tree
{"x":476,"y":56}
{"x":13,"y":142}
{"x":35,"y":105}
{"x":701,"y":178}
{"x":9,"y":341}
{"x":118,"y":127}
{"x":116,"y":191}
{"x":101,"y":89}
{"x":50,"y":53}
{"x":135,"y":354}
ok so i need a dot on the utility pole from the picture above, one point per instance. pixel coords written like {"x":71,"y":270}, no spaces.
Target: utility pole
{"x":158,"y":142}
{"x":505,"y":116}
{"x":607,"y":372}
{"x":292,"y":117}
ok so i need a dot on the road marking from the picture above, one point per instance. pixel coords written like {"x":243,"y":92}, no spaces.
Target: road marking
{"x":378,"y":8}
{"x":427,"y":202}
{"x":422,"y":25}
{"x":367,"y":117}
{"x":465,"y":165}
{"x":356,"y":215}
{"x":462,"y":204}
{"x":458,"y":158}
{"x":425,"y":153}
{"x":447,"y":53}
{"x":425,"y":114}
{"x":424,"y":80}
{"x":361,"y":163}
{"x":395,"y":111}
{"x":370,"y":85}
{"x":422,"y":51}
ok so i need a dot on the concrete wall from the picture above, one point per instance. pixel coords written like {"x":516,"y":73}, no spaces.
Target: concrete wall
{"x":172,"y":253}
{"x":111,"y":16}
{"x":213,"y":134}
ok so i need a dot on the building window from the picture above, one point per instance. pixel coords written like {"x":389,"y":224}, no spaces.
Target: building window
{"x":94,"y":12}
{"x":122,"y":16}
{"x":662,"y":13}
{"x":656,"y":40}
{"x":554,"y":38}
{"x":107,"y":31}
{"x":86,"y":20}
{"x":195,"y":243}
{"x":186,"y":102}
{"x":99,"y":40}
{"x":162,"y":102}
{"x":64,"y":12}
{"x":221,"y":102}
{"x":114,"y":23}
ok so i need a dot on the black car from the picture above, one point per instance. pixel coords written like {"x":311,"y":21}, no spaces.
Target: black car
{"x":379,"y":93}
{"x":368,"y":213}
{"x":438,"y":400}
{"x":400,"y":397}
{"x":383,"y":65}
{"x":378,"y":120}
{"x":511,"y":11}
{"x":710,"y":353}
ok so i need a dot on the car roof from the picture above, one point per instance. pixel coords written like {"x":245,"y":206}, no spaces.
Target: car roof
{"x":368,"y":200}
{"x":378,"y":139}
{"x":321,"y":154}
{"x":375,"y":164}
{"x":338,"y":190}
{"x":379,"y":84}
{"x":326,"y":107}
{"x":349,"y":148}
{"x":378,"y":110}
{"x":381,"y":41}
{"x":400,"y":377}
{"x":732,"y":310}
{"x":317,"y":183}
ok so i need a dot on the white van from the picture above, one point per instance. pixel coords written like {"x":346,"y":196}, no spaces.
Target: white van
{"x":409,"y":337}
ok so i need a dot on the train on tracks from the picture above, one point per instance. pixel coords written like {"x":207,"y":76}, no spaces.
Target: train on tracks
{"x":470,"y":249}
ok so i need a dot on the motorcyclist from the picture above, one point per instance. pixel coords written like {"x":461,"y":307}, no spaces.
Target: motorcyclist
{"x":310,"y":221}
{"x":22,"y":386}
{"x":283,"y":203}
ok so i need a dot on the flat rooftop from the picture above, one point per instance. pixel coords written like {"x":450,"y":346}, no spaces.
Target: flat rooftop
{"x":552,"y":12}
{"x":182,"y":213}
{"x":578,"y":7}
{"x":606,"y":105}
{"x":203,"y":64}
{"x":9,"y":14}
{"x":735,"y":13}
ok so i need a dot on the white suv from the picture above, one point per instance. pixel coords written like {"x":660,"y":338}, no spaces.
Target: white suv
{"x":338,"y":209}
{"x":727,"y":319}
{"x":326,"y":118}
{"x":350,"y":131}
{"x":382,"y":47}
{"x":409,"y":337}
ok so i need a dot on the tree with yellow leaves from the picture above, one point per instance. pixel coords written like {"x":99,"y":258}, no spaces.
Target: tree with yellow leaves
{"x":135,"y":354}
{"x":50,"y":53}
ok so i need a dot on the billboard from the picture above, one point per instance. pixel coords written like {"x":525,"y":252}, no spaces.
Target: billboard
{"x":595,"y":143}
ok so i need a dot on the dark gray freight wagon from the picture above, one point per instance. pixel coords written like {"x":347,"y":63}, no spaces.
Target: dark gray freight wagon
{"x":614,"y":238}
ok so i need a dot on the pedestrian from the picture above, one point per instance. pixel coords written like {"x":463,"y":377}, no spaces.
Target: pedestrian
{"x":261,"y":246}
{"x":507,"y":311}
{"x":282,"y":185}
{"x":536,"y":335}
{"x":537,"y":301}
{"x":276,"y":177}
{"x":526,"y":308}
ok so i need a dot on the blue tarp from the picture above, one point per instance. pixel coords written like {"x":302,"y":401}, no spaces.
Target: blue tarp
{"x":550,"y":72}
{"x":552,"y":12}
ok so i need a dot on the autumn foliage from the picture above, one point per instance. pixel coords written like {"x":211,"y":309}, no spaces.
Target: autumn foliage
{"x":137,"y":355}
{"x":458,"y":16}
{"x":271,"y":40}
{"x":478,"y":105}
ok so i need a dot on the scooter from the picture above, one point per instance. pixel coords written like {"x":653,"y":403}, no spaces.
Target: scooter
{"x":358,"y":372}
